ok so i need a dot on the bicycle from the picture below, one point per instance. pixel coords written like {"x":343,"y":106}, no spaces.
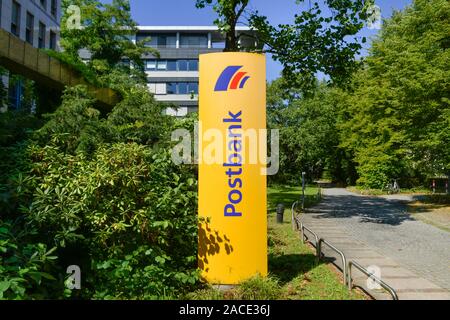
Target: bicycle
{"x":393,"y":188}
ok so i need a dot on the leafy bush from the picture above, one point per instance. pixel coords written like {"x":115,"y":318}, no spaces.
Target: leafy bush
{"x":75,"y":64}
{"x":67,"y":126}
{"x":105,"y":192}
{"x":100,"y":188}
{"x":77,"y":127}
{"x":24,"y":265}
{"x":376,"y":168}
{"x":15,"y":128}
{"x":129,"y":210}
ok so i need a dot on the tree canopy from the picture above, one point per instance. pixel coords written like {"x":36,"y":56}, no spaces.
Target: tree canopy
{"x":105,"y":31}
{"x":392,"y":121}
{"x":398,"y":114}
{"x":317,"y":41}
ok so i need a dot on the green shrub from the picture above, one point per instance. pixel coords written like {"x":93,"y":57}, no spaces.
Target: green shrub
{"x":74,"y":64}
{"x":24,"y":265}
{"x":259,"y":288}
{"x":103,"y":190}
{"x":129,"y":210}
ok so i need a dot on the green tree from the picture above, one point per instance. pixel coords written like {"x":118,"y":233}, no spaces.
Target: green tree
{"x":309,"y":136}
{"x":230,"y":13}
{"x":397,"y":117}
{"x":314,"y":43}
{"x":106,"y":31}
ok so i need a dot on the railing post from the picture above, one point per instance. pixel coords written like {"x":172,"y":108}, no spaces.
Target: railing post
{"x":302,"y":233}
{"x":350,"y":280}
{"x":318,"y":250}
{"x":294,"y":205}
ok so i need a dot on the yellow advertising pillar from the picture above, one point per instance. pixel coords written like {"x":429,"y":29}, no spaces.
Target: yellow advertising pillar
{"x":232,"y":158}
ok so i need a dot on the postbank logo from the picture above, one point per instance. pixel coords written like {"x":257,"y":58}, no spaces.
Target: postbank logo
{"x":231,"y":79}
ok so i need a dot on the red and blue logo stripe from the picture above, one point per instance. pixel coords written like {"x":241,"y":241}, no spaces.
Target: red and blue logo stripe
{"x":231,"y":79}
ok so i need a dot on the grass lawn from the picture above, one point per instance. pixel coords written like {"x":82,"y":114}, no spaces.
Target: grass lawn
{"x":293,"y":272}
{"x":288,"y":195}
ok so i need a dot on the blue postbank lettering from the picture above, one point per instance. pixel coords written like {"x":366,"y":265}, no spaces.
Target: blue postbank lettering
{"x":234,"y":164}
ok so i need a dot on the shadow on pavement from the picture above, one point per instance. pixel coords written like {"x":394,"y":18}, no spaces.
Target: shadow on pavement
{"x":367,"y":209}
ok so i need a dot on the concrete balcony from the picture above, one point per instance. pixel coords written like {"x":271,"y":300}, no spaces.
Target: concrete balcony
{"x":178,"y":99}
{"x":172,"y":76}
{"x":21,"y":58}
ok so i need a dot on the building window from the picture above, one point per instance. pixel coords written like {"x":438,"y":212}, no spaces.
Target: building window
{"x":182,"y":65}
{"x":15,"y":19}
{"x":194,"y":41}
{"x":52,"y":40}
{"x":15,"y":93}
{"x":43,"y":4}
{"x":161,"y":88}
{"x":193,"y":65}
{"x":159,"y":40}
{"x":162,"y":65}
{"x":41,"y":39}
{"x":171,"y":88}
{"x":170,"y":41}
{"x":193,"y":87}
{"x":151,"y":87}
{"x":172,"y":65}
{"x":157,"y":88}
{"x":29,"y":30}
{"x":182,"y":88}
{"x":54,"y":8}
{"x":150,"y":65}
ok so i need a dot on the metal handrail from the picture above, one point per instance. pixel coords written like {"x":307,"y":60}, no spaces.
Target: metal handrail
{"x":346,"y":267}
{"x":344,"y":260}
{"x":312,"y":232}
{"x":302,"y":233}
{"x":387,"y":287}
{"x":294,"y":224}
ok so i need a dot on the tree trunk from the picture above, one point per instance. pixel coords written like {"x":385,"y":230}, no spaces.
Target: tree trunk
{"x":231,"y":41}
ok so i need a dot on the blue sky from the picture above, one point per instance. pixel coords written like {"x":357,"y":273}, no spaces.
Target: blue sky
{"x":183,"y":12}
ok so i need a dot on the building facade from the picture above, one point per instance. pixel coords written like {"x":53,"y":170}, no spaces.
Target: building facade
{"x":173,"y":76}
{"x":33,"y":21}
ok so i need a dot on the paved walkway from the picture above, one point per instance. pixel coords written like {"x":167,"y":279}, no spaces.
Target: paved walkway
{"x":414,"y":257}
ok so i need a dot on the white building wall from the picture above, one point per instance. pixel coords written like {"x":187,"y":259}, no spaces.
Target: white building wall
{"x":179,"y":112}
{"x":170,"y":74}
{"x":180,"y":98}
